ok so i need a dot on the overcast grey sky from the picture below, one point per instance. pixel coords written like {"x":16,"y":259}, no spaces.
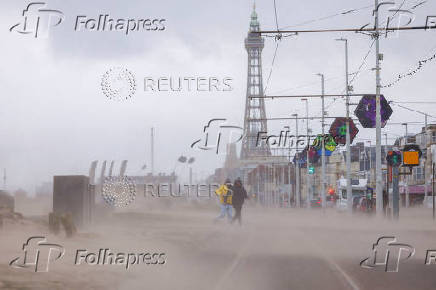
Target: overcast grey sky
{"x":55,"y":119}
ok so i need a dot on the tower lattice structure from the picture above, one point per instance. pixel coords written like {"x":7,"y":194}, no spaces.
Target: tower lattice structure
{"x":255,"y":116}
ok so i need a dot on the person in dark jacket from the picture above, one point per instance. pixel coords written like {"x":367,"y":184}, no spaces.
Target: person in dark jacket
{"x":239,"y":195}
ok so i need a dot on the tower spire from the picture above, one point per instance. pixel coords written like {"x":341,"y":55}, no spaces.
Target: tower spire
{"x":255,"y":115}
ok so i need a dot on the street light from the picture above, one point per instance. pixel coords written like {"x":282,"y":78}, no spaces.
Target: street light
{"x":297,"y":165}
{"x":184,"y":159}
{"x":348,"y":139}
{"x":307,"y":153}
{"x":323,"y":195}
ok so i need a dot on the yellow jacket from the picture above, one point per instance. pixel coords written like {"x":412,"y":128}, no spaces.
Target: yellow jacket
{"x":225,"y":194}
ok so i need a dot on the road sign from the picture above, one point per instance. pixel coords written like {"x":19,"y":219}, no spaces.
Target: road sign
{"x":366,"y":111}
{"x":411,"y":155}
{"x":338,"y":130}
{"x":329,"y":144}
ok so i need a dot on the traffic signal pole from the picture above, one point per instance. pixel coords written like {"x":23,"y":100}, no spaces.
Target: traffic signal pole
{"x":395,"y":192}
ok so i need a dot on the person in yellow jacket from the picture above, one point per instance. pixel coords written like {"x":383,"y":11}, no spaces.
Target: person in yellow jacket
{"x":225,"y":193}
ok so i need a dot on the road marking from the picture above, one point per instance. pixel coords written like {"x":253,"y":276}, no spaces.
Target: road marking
{"x":347,"y":278}
{"x":345,"y":275}
{"x":234,"y":264}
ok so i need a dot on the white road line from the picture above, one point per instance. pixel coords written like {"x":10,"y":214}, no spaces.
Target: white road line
{"x":347,"y":277}
{"x":234,"y":264}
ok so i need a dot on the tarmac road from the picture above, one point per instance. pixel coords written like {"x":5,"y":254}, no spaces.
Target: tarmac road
{"x":274,"y":249}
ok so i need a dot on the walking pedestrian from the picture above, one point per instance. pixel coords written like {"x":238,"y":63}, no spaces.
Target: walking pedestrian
{"x":239,"y":196}
{"x":225,"y":193}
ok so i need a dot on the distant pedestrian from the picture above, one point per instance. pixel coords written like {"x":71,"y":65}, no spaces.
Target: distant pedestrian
{"x":225,"y":193}
{"x":239,"y":196}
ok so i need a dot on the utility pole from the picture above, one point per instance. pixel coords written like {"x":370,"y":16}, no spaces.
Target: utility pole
{"x":432,"y":176}
{"x":4,"y":178}
{"x":406,"y":178}
{"x":426,"y":185}
{"x":323,"y":197}
{"x":378,"y":173}
{"x":307,"y":154}
{"x":387,"y":206}
{"x":297,"y":166}
{"x":152,"y":150}
{"x":370,"y":161}
{"x":348,"y":137}
{"x":289,"y":172}
{"x":395,"y":193}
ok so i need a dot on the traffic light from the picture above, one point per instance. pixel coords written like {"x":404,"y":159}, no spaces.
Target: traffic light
{"x":311,"y":169}
{"x":394,"y":158}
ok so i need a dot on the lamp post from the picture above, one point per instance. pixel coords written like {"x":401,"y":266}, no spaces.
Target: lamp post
{"x":348,"y":139}
{"x":297,"y":166}
{"x":307,"y":154}
{"x":323,"y":195}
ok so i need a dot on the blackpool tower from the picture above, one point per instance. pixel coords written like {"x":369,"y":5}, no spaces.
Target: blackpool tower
{"x":255,"y":116}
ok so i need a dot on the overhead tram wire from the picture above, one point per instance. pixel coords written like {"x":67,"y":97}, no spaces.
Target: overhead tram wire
{"x":311,"y":84}
{"x":363,"y":62}
{"x":412,"y":110}
{"x":411,"y":72}
{"x":357,"y":30}
{"x":277,"y":39}
{"x":327,"y":17}
{"x":414,"y":102}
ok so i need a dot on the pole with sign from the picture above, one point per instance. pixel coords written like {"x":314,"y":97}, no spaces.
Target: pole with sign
{"x":394,"y":161}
